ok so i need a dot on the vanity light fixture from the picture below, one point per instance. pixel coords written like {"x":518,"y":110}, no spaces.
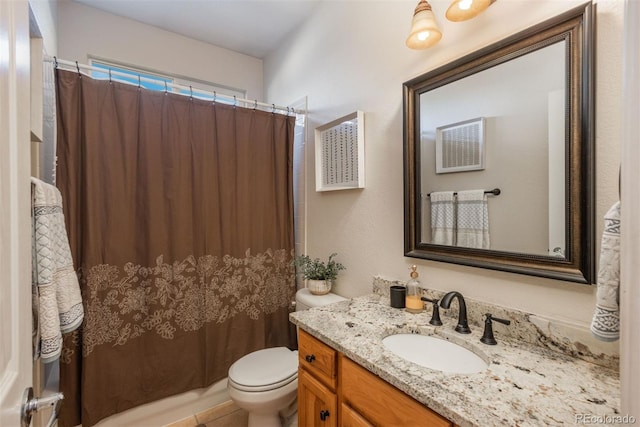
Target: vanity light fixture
{"x":424,"y":29}
{"x":461,"y":10}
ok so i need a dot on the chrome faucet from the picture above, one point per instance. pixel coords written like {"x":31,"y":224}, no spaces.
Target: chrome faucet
{"x":463,"y":325}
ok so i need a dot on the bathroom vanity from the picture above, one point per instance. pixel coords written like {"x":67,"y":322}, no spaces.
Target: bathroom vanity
{"x":347,"y":377}
{"x":328,"y":380}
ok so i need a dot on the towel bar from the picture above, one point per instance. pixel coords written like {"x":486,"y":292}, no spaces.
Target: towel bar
{"x":495,"y":192}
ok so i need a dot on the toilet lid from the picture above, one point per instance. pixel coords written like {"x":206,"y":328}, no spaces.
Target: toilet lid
{"x":304,"y":296}
{"x":264,"y":369}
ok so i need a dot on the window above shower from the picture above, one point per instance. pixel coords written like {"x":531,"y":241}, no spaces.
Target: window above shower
{"x":160,"y":81}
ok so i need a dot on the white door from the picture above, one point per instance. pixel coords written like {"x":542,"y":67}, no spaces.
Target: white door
{"x":15,"y":206}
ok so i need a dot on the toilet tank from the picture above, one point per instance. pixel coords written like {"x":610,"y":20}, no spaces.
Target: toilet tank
{"x":306,"y":300}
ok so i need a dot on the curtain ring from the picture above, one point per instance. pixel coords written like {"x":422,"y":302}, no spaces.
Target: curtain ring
{"x":190,"y":92}
{"x":235,"y":101}
{"x":109,"y":75}
{"x":139,"y":84}
{"x":214,"y":96}
{"x":255,"y":104}
{"x":273,"y":108}
{"x":166,"y":89}
{"x":77,"y":67}
{"x":55,"y":62}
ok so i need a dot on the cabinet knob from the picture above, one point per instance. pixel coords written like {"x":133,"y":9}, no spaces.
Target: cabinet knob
{"x":324,"y":414}
{"x":310,"y":358}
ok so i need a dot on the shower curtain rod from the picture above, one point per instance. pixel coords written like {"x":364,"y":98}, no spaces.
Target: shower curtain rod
{"x":255,"y":103}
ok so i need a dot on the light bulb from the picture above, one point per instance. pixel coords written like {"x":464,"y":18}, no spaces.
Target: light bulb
{"x":465,"y":4}
{"x":461,"y":10}
{"x":424,"y":29}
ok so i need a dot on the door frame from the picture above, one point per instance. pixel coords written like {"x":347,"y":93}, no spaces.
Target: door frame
{"x":15,"y":210}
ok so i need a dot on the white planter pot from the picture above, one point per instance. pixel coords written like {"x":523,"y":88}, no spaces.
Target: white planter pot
{"x":319,"y":287}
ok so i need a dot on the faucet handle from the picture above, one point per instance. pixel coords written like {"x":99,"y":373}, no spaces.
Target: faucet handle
{"x":497,"y":319}
{"x":487,"y":336}
{"x":435,"y":317}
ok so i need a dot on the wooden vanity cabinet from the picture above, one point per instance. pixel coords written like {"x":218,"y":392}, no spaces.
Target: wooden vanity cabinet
{"x":317,"y":379}
{"x":350,"y":418}
{"x":335,"y":391}
{"x":317,"y":404}
{"x":379,"y":402}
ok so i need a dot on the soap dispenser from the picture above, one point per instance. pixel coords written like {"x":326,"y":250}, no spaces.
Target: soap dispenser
{"x":413,"y":303}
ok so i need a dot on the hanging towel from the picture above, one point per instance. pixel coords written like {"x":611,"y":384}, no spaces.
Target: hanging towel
{"x":55,"y":284}
{"x":606,"y":320}
{"x":442,"y":218}
{"x":472,"y":219}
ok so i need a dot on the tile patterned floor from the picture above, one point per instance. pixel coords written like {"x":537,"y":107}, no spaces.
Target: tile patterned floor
{"x":225,"y":415}
{"x":237,"y":418}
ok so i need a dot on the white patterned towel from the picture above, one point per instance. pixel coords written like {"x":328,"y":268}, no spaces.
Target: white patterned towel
{"x":472,"y":219}
{"x":442,"y":217}
{"x":56,"y":288}
{"x":606,"y":320}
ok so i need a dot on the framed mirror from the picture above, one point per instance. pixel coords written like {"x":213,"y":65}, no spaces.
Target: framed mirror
{"x":515,"y":120}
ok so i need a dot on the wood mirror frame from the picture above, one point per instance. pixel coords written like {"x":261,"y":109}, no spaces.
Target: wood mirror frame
{"x":576,"y":28}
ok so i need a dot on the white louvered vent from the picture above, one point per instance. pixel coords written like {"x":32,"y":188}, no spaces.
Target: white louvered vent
{"x":460,"y":146}
{"x":340,"y":154}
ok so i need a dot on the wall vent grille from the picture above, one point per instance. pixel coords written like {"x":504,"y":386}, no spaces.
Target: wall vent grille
{"x":340,"y":154}
{"x":460,"y":146}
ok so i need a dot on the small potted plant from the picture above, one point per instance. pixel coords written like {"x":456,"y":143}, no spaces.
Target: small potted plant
{"x":319,"y":275}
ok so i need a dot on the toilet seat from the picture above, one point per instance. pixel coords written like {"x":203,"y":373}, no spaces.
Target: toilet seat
{"x":264,"y":370}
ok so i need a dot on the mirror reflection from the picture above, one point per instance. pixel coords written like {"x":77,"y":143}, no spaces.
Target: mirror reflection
{"x":503,"y":128}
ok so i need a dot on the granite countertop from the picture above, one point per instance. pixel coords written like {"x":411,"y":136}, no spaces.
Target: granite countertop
{"x":524,"y":385}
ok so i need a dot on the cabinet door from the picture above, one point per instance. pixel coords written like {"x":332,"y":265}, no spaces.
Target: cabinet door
{"x":380,"y":402}
{"x":317,"y":405}
{"x":317,"y":358}
{"x":350,"y":418}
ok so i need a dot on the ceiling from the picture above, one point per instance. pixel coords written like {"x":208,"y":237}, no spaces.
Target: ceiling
{"x":252,"y":27}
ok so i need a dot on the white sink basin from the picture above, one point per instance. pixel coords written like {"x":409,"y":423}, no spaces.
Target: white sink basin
{"x":435,"y":353}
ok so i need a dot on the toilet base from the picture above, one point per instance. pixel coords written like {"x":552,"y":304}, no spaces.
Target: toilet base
{"x":285,"y":418}
{"x":291,"y":420}
{"x":267,"y":408}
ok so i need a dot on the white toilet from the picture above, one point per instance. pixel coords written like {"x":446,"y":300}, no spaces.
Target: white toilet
{"x":265,"y":382}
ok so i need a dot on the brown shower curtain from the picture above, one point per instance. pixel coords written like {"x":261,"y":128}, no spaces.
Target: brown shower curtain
{"x":180,"y":220}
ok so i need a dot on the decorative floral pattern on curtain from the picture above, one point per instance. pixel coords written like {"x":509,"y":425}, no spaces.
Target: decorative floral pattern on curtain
{"x":180,"y":221}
